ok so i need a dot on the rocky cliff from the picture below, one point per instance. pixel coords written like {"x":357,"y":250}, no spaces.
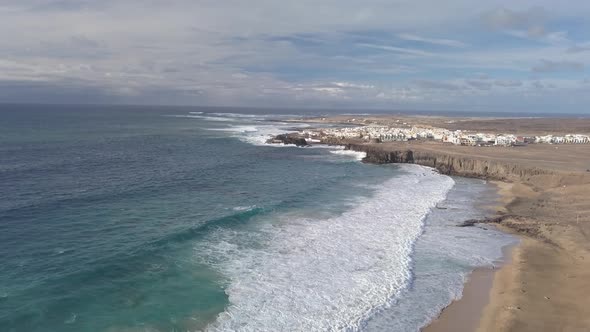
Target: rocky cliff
{"x":449,"y":164}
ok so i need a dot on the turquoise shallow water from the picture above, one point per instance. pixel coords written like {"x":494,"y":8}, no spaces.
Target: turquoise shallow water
{"x":130,"y":218}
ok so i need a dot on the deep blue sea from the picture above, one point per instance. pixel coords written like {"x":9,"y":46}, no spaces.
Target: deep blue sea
{"x":182,"y":219}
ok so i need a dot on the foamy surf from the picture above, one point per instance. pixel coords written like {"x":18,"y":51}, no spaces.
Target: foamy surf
{"x":250,"y":128}
{"x":195,"y":115}
{"x":349,"y":153}
{"x":237,"y":129}
{"x":309,"y":275}
{"x":244,"y":208}
{"x":258,"y":134}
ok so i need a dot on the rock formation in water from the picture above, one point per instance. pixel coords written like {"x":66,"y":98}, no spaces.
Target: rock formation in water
{"x":288,"y":139}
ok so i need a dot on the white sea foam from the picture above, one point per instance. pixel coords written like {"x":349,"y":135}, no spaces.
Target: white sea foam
{"x":312,"y":274}
{"x":261,"y":135}
{"x":256,"y":116}
{"x":443,"y":257}
{"x":241,"y":129}
{"x":349,"y":153}
{"x":238,"y":115}
{"x":204,"y":117}
{"x":249,"y":128}
{"x":71,"y":319}
{"x":215,"y":118}
{"x":258,"y":134}
{"x":244,"y":208}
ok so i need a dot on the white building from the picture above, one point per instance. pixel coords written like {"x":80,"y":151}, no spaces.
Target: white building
{"x":505,"y":140}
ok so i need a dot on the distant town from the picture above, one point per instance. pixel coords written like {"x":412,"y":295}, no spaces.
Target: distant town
{"x":378,"y":133}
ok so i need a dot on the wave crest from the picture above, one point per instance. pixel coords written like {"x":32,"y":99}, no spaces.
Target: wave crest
{"x":307,"y":274}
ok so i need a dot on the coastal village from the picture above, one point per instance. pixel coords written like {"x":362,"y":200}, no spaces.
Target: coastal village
{"x":381,"y":133}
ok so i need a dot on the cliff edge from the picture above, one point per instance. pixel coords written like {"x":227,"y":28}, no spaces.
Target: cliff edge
{"x":449,"y":164}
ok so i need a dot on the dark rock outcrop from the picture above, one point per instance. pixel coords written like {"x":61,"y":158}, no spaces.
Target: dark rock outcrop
{"x":288,"y":139}
{"x":519,"y":224}
{"x":489,"y":220}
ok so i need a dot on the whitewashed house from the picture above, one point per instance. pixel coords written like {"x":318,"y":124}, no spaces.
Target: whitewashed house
{"x":505,"y":140}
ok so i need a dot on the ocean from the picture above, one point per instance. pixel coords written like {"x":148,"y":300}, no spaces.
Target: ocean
{"x":129,"y":218}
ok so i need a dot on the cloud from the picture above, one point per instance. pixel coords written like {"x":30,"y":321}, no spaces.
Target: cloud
{"x":479,"y":84}
{"x":482,"y":76}
{"x":329,"y":90}
{"x":268,"y":53}
{"x":533,"y":24}
{"x":508,"y":83}
{"x":394,"y":49}
{"x":557,"y":37}
{"x":544,"y":85}
{"x":343,"y":89}
{"x":578,"y":49}
{"x":353,"y":85}
{"x":547,"y":66}
{"x":532,"y":21}
{"x":437,"y":85}
{"x":442,"y":42}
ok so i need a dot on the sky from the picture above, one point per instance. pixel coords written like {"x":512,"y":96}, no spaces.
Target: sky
{"x":494,"y":55}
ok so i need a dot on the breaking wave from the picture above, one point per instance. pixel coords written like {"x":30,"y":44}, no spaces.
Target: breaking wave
{"x":349,"y":153}
{"x":299,"y":274}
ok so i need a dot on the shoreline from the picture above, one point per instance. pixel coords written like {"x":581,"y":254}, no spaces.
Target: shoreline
{"x":465,"y":313}
{"x":545,"y":201}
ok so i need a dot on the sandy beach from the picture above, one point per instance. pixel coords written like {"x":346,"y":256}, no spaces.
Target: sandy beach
{"x":545,"y":193}
{"x":545,"y":288}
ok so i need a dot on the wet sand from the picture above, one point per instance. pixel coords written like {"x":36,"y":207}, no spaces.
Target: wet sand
{"x":545,"y":286}
{"x":464,"y":314}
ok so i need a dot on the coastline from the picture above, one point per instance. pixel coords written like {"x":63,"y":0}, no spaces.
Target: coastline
{"x":464,"y":314}
{"x":545,"y":202}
